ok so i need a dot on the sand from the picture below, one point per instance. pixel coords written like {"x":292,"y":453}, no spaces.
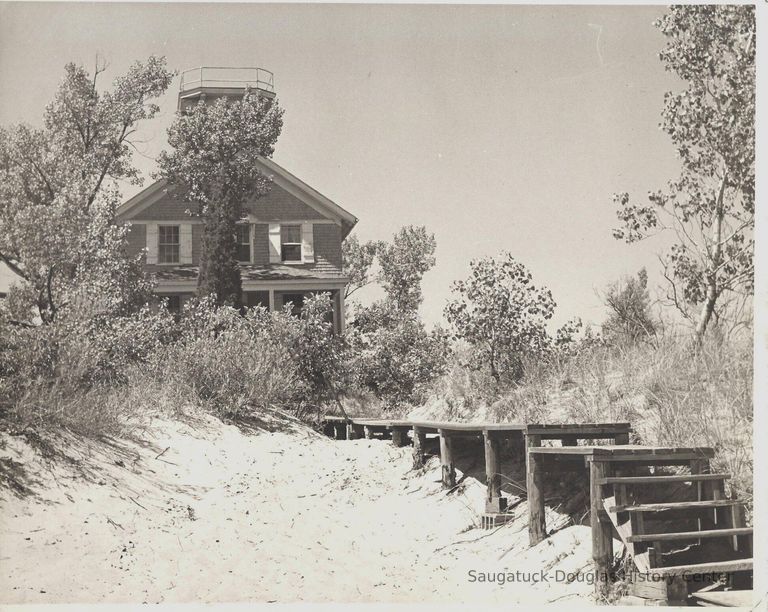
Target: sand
{"x":210,"y":513}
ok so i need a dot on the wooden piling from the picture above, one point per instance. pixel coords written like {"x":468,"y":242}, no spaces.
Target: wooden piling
{"x":537,"y":522}
{"x":494,"y":503}
{"x":602,"y":539}
{"x":446,"y":460}
{"x":622,"y":438}
{"x":419,"y":442}
{"x":400,"y":436}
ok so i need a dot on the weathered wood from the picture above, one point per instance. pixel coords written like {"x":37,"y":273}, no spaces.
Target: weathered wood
{"x":727,"y":599}
{"x":368,"y":432}
{"x":632,"y":480}
{"x":419,"y":442}
{"x":664,"y":506}
{"x":602,"y":539}
{"x":400,"y":436}
{"x":447,"y":460}
{"x":570,"y":440}
{"x":691,"y":535}
{"x":735,"y":565}
{"x":621,"y":438}
{"x":354,"y":431}
{"x":537,"y":521}
{"x":340,"y":431}
{"x":493,"y":499}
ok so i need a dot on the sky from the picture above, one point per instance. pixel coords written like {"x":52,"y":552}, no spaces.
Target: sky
{"x":496,"y":127}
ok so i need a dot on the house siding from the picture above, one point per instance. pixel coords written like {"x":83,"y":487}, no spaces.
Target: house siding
{"x":277,"y":205}
{"x":137,"y":240}
{"x":261,"y":244}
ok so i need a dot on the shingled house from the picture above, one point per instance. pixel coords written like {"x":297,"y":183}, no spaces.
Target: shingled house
{"x":289,"y":241}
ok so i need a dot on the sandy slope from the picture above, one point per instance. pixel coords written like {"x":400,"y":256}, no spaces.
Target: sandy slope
{"x":223,"y":515}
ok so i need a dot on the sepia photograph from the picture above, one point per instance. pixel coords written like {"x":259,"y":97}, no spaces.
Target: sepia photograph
{"x":313,"y":303}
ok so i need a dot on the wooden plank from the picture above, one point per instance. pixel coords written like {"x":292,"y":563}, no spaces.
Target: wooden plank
{"x":446,"y":460}
{"x":664,"y":506}
{"x":602,"y":540}
{"x":630,"y":480}
{"x":691,"y":535}
{"x":735,"y":565}
{"x":492,"y":474}
{"x":544,"y":428}
{"x":400,"y":436}
{"x":419,"y":441}
{"x":727,"y":599}
{"x":534,"y":478}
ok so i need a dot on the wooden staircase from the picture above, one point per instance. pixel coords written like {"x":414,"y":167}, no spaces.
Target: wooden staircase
{"x":669,"y":540}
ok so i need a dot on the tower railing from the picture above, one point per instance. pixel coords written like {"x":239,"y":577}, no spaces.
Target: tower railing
{"x":227,"y":77}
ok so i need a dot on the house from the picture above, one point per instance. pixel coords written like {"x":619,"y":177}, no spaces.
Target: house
{"x":289,"y":241}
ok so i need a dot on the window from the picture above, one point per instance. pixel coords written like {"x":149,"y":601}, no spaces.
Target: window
{"x":290,"y":242}
{"x":168,"y":244}
{"x":244,"y":243}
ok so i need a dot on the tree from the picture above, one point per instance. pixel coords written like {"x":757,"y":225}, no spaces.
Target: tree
{"x":403,"y":264}
{"x":710,"y":206}
{"x":394,"y":355}
{"x":212,"y":165}
{"x":58,"y":189}
{"x":630,"y":317}
{"x":502,"y":315}
{"x":357,"y":261}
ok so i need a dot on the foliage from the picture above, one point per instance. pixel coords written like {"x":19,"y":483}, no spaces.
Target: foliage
{"x":403,"y":263}
{"x":502,"y":315}
{"x":394,"y":356}
{"x":710,"y":206}
{"x":213,"y":166}
{"x":57,"y":194}
{"x":630,"y":318}
{"x":357,"y":261}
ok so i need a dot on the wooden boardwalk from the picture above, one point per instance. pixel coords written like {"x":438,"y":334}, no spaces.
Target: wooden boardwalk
{"x":616,"y":471}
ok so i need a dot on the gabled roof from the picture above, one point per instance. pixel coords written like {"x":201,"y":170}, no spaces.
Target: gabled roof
{"x":280,"y":176}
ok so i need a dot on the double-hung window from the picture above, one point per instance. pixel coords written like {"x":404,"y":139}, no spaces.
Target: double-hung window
{"x":168,"y":244}
{"x":244,"y":243}
{"x":290,"y":243}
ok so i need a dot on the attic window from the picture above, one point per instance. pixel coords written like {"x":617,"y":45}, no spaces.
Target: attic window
{"x":244,"y":243}
{"x":290,"y":242}
{"x":168,"y":244}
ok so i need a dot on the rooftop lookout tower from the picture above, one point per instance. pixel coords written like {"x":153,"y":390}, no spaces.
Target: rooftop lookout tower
{"x":211,"y":82}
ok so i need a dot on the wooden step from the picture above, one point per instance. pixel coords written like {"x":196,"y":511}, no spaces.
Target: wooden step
{"x":726,"y":599}
{"x":689,"y":505}
{"x":735,"y":565}
{"x":690,"y":535}
{"x":631,"y":480}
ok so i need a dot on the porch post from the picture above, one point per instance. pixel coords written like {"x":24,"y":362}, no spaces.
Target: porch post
{"x":271,"y":300}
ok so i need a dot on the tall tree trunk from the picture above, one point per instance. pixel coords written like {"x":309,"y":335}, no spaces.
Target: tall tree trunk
{"x":716,"y":256}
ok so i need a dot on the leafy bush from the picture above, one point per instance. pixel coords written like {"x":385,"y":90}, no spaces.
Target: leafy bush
{"x":394,"y":356}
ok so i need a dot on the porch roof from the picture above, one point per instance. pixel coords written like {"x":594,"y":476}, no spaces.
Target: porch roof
{"x":249,"y":272}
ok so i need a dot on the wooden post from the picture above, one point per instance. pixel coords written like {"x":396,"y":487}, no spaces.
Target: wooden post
{"x":368,"y":433}
{"x":494,"y":503}
{"x":699,"y":466}
{"x":537,"y":521}
{"x":400,"y":436}
{"x":570,"y":441}
{"x":354,"y":431}
{"x":419,"y":441}
{"x":622,"y":438}
{"x":340,"y":431}
{"x":602,"y":539}
{"x":446,"y":460}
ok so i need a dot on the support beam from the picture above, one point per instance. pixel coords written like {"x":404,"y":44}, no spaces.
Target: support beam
{"x":419,"y":442}
{"x":602,"y":539}
{"x":622,"y":438}
{"x":400,"y":436}
{"x":494,"y":502}
{"x":446,"y":460}
{"x":537,"y":521}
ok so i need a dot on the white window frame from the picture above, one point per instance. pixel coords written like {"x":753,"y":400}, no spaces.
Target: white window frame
{"x":160,"y":244}
{"x":298,"y":244}
{"x":249,"y":234}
